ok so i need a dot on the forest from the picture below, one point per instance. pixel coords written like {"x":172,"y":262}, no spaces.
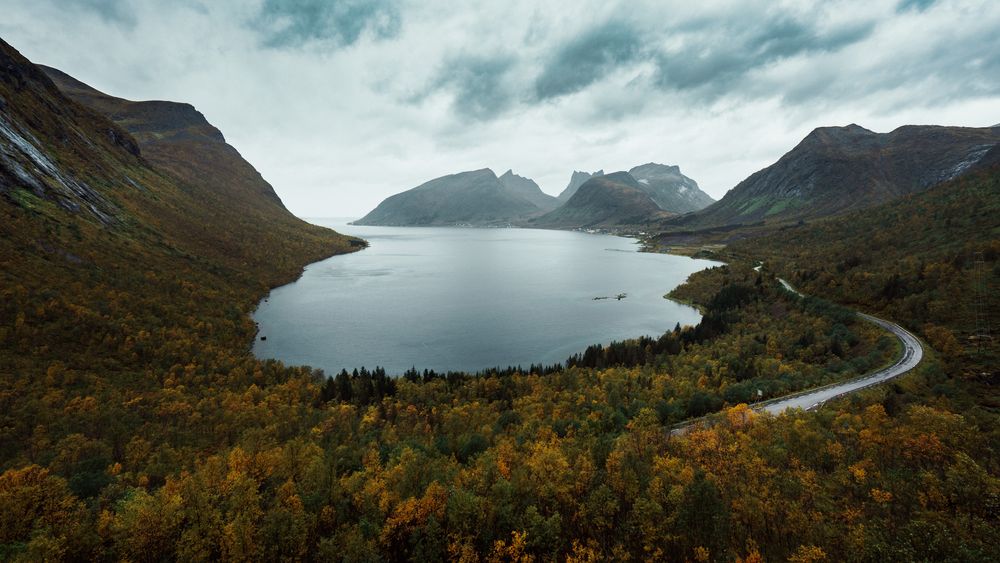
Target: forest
{"x":139,"y":426}
{"x":162,"y":438}
{"x":135,"y":424}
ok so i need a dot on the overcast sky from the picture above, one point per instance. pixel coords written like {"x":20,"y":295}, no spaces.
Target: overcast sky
{"x":342,"y":103}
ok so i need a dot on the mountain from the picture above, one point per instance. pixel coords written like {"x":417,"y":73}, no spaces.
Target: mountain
{"x":575,"y":181}
{"x":205,"y":198}
{"x":839,"y":169}
{"x":529,"y":190}
{"x":476,"y":198}
{"x":670,"y":189}
{"x":926,"y":259}
{"x":177,"y":137}
{"x":607,"y":201}
{"x":110,"y":228}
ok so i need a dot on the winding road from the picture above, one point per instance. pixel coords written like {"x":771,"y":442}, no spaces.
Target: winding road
{"x":913,"y":352}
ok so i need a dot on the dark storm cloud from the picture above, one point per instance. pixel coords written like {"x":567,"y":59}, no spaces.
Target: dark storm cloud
{"x":918,"y":5}
{"x":478,"y":84}
{"x":714,"y":55}
{"x":292,"y":23}
{"x":588,"y":58}
{"x":714,"y":60}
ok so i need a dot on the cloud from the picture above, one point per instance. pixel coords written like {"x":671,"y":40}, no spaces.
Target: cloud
{"x":341,"y":104}
{"x":114,"y":11}
{"x":918,"y":5}
{"x":478,"y":84}
{"x":293,"y":23}
{"x":587,"y":58}
{"x":714,"y":60}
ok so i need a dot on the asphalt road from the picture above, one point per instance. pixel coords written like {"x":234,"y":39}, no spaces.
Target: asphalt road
{"x":913,"y":352}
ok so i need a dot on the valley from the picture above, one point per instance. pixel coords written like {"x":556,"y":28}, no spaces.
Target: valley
{"x":190,"y":372}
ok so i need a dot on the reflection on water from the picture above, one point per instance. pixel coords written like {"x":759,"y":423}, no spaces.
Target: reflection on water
{"x":468,"y":299}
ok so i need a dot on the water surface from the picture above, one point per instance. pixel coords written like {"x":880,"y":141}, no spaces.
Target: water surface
{"x":469,"y":299}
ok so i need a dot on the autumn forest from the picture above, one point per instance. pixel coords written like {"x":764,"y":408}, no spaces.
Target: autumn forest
{"x":136,"y":424}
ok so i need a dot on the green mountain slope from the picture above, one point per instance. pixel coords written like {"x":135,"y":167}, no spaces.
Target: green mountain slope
{"x":839,"y":169}
{"x":913,"y":260}
{"x":115,"y":271}
{"x":210,"y":185}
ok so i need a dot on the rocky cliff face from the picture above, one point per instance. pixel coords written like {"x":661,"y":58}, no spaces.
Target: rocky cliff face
{"x":839,"y":169}
{"x":576,"y":180}
{"x":51,"y":150}
{"x":671,"y":190}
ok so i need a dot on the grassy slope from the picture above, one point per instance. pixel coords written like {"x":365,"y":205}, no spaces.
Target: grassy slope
{"x":91,"y":309}
{"x":837,"y":170}
{"x":910,"y":260}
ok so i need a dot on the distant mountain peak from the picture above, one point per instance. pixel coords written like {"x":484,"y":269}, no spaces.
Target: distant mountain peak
{"x":838,"y":133}
{"x":576,"y":180}
{"x":476,"y":197}
{"x":510,"y":174}
{"x":657,"y":166}
{"x":527,"y":189}
{"x":613,"y":200}
{"x":623,"y":177}
{"x":669,"y":188}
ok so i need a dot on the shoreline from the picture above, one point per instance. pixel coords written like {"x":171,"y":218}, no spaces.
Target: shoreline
{"x":328,"y":223}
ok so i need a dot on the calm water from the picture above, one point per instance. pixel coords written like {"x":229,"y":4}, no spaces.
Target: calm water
{"x":468,"y":299}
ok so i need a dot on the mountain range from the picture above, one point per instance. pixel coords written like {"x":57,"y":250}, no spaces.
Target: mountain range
{"x":645,"y":194}
{"x":833,"y":170}
{"x":477,"y":197}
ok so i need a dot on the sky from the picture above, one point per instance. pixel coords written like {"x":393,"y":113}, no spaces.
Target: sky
{"x":340,"y":104}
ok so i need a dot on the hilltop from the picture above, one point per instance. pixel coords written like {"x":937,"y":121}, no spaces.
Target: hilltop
{"x":835,"y":170}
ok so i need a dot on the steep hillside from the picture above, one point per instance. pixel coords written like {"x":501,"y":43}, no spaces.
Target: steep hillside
{"x":839,"y":169}
{"x":610,"y":201}
{"x":526,"y":188}
{"x":477,"y":198}
{"x":913,"y":260}
{"x":117,"y":276}
{"x":671,"y":190}
{"x":575,"y":181}
{"x":212,"y":184}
